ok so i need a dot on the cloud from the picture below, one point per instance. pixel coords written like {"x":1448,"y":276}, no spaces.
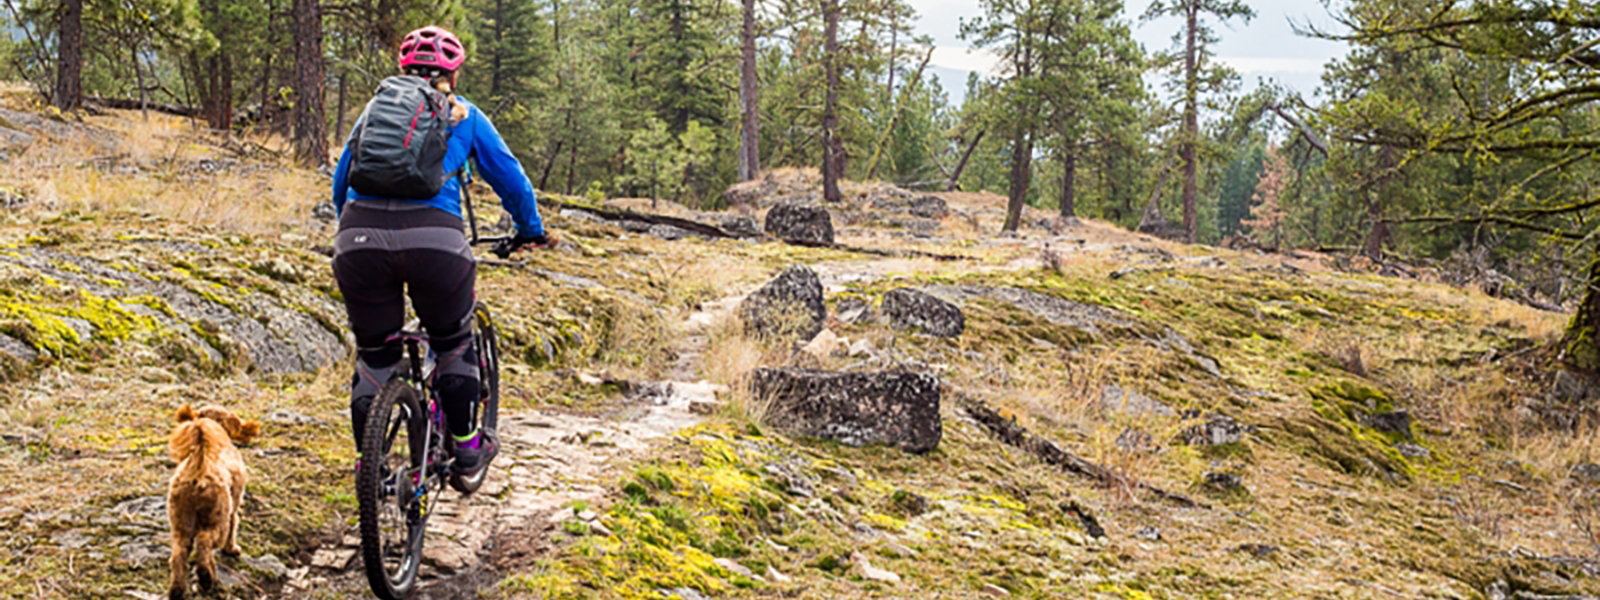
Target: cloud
{"x":965,"y":59}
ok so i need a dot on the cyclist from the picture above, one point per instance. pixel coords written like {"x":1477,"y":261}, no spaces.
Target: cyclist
{"x":387,"y":247}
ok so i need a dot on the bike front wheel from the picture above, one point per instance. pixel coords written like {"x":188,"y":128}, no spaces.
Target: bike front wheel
{"x":393,"y":506}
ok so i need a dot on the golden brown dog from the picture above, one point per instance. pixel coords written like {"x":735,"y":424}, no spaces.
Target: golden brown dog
{"x":203,"y":499}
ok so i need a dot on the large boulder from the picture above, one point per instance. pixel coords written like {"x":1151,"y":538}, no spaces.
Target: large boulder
{"x":800,"y":223}
{"x":914,"y":309}
{"x":892,"y":408}
{"x":788,"y":306}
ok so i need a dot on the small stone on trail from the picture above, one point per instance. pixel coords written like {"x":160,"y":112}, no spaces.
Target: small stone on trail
{"x":291,"y":418}
{"x":330,"y":558}
{"x":774,"y":575}
{"x":143,"y":595}
{"x":1134,"y":440}
{"x":1224,"y":481}
{"x":899,"y":550}
{"x":681,"y":593}
{"x":1149,"y":534}
{"x":1218,"y":429}
{"x":1131,"y":402}
{"x":872,"y":573}
{"x":853,"y":310}
{"x":587,"y":516}
{"x":268,"y":564}
{"x":826,"y":344}
{"x":995,"y":590}
{"x":1587,"y":473}
{"x":600,"y":529}
{"x":1412,"y":450}
{"x":915,"y":309}
{"x":734,"y":567}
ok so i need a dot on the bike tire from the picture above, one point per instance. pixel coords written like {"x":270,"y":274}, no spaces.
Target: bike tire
{"x":486,"y":337}
{"x":395,"y":407}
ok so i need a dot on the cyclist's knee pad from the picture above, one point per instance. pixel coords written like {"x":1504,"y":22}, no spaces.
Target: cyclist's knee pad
{"x":457,"y":358}
{"x":368,"y":380}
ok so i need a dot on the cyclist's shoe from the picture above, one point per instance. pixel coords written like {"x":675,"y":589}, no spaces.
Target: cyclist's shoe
{"x":475,"y":453}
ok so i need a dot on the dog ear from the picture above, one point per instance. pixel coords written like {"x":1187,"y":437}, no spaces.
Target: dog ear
{"x":248,"y":430}
{"x":186,"y":413}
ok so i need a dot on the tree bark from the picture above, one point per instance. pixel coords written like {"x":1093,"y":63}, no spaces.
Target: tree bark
{"x":310,"y":127}
{"x":138,"y":77}
{"x":496,"y":71}
{"x":1191,"y":122}
{"x":338,"y":127}
{"x":1021,"y":163}
{"x":69,"y":72}
{"x":1378,"y":236}
{"x":1581,"y":346}
{"x":1069,"y":168}
{"x":830,"y":111}
{"x":894,"y":116}
{"x":1021,"y":146}
{"x":955,"y":175}
{"x":749,"y":100}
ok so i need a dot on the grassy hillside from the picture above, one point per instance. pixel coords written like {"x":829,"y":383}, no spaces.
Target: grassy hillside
{"x":145,"y":265}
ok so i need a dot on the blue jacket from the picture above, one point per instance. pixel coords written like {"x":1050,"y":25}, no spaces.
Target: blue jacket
{"x":473,"y":136}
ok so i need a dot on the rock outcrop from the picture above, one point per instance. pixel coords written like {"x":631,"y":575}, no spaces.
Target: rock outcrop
{"x":892,"y":408}
{"x":788,"y":306}
{"x":800,"y":223}
{"x":917,"y":310}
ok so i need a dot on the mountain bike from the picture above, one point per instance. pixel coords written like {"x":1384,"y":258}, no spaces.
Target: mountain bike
{"x":405,"y":461}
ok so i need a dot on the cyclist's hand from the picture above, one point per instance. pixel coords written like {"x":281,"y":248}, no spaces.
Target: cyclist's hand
{"x":504,"y":248}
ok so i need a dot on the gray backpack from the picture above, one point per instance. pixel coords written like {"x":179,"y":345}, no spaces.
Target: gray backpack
{"x":399,"y":144}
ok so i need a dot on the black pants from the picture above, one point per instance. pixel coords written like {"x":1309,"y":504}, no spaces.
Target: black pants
{"x":385,"y":250}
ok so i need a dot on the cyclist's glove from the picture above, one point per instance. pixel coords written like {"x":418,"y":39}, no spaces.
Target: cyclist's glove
{"x":504,"y":248}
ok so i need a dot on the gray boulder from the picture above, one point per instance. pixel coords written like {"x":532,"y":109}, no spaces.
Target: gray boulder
{"x":788,"y":306}
{"x":915,"y":309}
{"x":800,"y":224}
{"x":740,"y":226}
{"x":892,"y":408}
{"x":931,"y":207}
{"x":1218,"y":429}
{"x":1395,"y":422}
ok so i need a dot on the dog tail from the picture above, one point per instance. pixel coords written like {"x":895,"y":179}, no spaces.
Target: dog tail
{"x":190,"y":448}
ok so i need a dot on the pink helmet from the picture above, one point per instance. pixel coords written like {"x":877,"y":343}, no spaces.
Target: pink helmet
{"x":432,"y":47}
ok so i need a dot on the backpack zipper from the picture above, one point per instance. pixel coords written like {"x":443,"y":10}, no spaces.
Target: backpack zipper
{"x":414,"y":118}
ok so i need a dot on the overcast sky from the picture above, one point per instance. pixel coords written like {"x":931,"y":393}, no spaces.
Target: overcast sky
{"x":1266,"y":48}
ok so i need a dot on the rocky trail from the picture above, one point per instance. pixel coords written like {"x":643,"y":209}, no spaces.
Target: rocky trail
{"x":549,"y":463}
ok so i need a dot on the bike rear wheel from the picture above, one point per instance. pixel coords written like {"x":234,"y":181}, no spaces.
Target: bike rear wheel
{"x":487,"y":414}
{"x":393,"y":510}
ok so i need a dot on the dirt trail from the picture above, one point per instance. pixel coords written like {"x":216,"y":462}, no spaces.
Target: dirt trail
{"x":547,"y":462}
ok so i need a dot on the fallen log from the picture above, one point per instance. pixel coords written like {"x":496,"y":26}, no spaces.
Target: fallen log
{"x":1008,"y":431}
{"x":133,"y":104}
{"x":610,"y":214}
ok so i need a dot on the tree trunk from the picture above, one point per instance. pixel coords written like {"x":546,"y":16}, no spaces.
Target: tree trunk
{"x":894,"y":116}
{"x":1581,"y":346}
{"x":310,"y":128}
{"x":1152,"y":220}
{"x":138,"y":79}
{"x":1069,"y":168}
{"x":955,"y":175}
{"x":1021,"y":162}
{"x":894,"y":52}
{"x":1021,"y":146}
{"x":1191,"y":123}
{"x":550,"y":165}
{"x":338,"y":127}
{"x":496,"y":72}
{"x":1378,"y":236}
{"x":572,"y":170}
{"x":830,"y":110}
{"x":749,"y":101}
{"x":69,"y":73}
